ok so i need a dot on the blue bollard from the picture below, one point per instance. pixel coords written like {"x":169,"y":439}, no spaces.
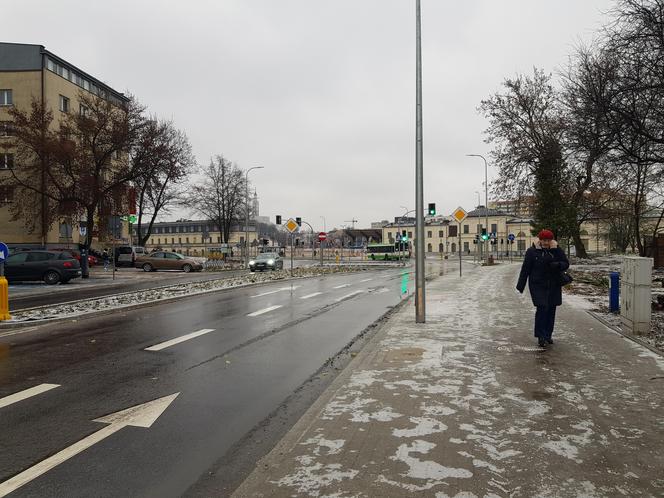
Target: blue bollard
{"x":614,"y":292}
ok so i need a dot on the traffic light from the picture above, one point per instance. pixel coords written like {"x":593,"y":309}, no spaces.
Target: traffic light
{"x":432,"y":209}
{"x":278,"y":219}
{"x":298,"y":220}
{"x":485,"y":236}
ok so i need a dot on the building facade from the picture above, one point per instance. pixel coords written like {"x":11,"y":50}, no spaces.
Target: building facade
{"x":197,"y":238}
{"x":27,"y":73}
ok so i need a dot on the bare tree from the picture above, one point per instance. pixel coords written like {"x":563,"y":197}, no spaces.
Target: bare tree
{"x":220,"y":195}
{"x":35,"y":145}
{"x":165,"y":157}
{"x":82,"y":169}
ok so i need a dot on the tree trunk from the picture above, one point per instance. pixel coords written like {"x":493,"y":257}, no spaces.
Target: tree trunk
{"x":87,"y":242}
{"x":580,"y":248}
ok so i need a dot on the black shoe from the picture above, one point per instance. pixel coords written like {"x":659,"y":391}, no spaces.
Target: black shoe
{"x":542,"y":343}
{"x":550,"y":341}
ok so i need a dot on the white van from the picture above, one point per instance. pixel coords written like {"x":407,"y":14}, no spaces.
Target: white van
{"x":126,"y":255}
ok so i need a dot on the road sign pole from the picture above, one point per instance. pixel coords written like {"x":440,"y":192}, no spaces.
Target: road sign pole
{"x":460,"y":249}
{"x":420,"y":300}
{"x":291,"y":253}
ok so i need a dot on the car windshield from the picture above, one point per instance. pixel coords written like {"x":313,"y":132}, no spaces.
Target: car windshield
{"x":266,"y":256}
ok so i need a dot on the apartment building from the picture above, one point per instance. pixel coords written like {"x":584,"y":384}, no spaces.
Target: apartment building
{"x":30,"y":72}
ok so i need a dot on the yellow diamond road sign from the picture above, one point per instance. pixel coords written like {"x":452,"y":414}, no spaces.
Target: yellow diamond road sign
{"x":291,"y":225}
{"x":460,"y":214}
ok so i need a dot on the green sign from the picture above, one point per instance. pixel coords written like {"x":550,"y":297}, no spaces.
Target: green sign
{"x":133,"y":218}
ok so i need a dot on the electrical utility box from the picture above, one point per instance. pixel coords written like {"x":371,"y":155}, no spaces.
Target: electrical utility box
{"x":636,"y":294}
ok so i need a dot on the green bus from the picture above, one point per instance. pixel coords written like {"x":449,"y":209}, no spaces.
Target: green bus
{"x":386,"y":252}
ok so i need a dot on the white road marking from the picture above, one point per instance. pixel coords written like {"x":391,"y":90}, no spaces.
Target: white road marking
{"x":366,"y":280}
{"x":311,"y":295}
{"x":178,"y":340}
{"x":341,"y":286}
{"x":265,"y":310}
{"x":350,"y":295}
{"x":275,"y":291}
{"x":138,"y":416}
{"x":28,"y":393}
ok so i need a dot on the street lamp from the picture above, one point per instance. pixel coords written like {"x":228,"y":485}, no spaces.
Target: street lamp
{"x":246,"y":226}
{"x":486,"y":196}
{"x":420,"y":298}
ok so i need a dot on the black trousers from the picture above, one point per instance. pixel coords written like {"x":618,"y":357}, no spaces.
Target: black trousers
{"x":545,"y":319}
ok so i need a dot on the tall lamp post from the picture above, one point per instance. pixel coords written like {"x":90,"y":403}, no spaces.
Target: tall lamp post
{"x":420,"y":304}
{"x":246,"y":226}
{"x":486,"y":197}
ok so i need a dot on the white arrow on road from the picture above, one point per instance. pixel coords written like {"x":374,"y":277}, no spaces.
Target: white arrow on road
{"x":138,"y":416}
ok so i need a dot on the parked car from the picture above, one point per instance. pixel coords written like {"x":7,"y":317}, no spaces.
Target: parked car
{"x":127,"y":255}
{"x":162,"y":260}
{"x":92,"y":260}
{"x":266,"y":261}
{"x":50,"y":266}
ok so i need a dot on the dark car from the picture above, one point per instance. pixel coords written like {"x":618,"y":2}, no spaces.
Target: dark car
{"x":266,"y":261}
{"x":50,"y":266}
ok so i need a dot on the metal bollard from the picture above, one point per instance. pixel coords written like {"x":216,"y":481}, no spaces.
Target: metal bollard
{"x":614,"y":292}
{"x":4,"y":299}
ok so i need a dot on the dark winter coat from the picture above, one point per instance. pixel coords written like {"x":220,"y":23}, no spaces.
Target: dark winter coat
{"x":542,"y":268}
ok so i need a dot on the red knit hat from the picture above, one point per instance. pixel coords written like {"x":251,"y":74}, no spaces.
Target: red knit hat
{"x":545,"y":235}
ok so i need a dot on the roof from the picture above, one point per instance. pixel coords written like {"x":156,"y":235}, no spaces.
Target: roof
{"x":28,"y":57}
{"x":481,"y":211}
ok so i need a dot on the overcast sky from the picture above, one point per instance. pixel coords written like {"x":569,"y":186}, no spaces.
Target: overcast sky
{"x":320,"y":93}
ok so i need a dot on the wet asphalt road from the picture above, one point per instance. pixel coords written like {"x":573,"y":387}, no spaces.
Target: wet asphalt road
{"x":228,"y":380}
{"x":33,"y":294}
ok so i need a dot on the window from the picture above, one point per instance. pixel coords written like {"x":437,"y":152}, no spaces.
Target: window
{"x":187,"y":240}
{"x":494,"y":227}
{"x":466,"y":229}
{"x":17,"y":258}
{"x":466,"y":247}
{"x":34,"y":257}
{"x":6,"y":97}
{"x":6,"y":161}
{"x":218,"y":239}
{"x":521,"y":245}
{"x":179,"y":240}
{"x":6,"y":194}
{"x":83,"y":110}
{"x":6,"y":129}
{"x":65,"y":231}
{"x":172,"y":240}
{"x":158,"y":241}
{"x":172,"y":255}
{"x":452,"y":231}
{"x":410,"y":235}
{"x":64,"y":103}
{"x":429,"y":235}
{"x":441,"y":234}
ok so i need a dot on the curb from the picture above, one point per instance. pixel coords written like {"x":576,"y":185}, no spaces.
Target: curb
{"x":625,"y":334}
{"x":7,"y":328}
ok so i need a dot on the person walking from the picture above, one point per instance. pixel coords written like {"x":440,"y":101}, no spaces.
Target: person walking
{"x":105,"y":258}
{"x":542,"y":267}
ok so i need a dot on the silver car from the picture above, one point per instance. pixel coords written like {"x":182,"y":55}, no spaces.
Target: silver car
{"x":266,"y":261}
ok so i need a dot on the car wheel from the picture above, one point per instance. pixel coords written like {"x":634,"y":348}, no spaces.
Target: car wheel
{"x":186,"y":268}
{"x":52,"y":277}
{"x":147,"y":267}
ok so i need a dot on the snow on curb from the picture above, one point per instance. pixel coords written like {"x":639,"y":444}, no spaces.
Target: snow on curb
{"x":74,"y":309}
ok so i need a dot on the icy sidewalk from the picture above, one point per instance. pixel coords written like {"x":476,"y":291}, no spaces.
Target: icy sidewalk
{"x":466,"y":406}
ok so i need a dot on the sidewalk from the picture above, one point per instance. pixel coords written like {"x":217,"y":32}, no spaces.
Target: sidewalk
{"x":466,"y":406}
